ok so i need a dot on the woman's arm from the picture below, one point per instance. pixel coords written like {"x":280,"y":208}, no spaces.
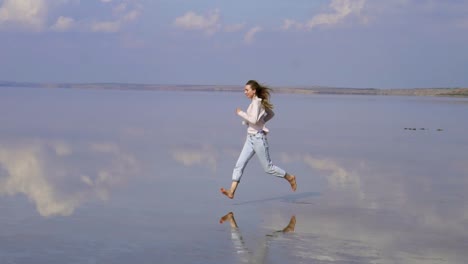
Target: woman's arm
{"x":254,"y":113}
{"x":270,"y":115}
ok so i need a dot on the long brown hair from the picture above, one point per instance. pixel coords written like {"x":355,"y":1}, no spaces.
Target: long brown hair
{"x":261,"y":91}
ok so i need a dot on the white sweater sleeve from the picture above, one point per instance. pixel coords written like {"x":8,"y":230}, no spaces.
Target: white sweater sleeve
{"x":254,"y":113}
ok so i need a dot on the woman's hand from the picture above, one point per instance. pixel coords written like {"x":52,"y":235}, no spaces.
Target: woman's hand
{"x":238,"y":110}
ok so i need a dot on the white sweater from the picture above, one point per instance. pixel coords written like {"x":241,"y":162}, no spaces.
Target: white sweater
{"x":256,"y":116}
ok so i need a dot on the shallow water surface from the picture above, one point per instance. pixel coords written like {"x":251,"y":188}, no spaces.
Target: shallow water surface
{"x":133,"y":177}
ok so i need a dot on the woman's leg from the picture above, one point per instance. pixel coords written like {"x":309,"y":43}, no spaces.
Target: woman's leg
{"x":244,"y":157}
{"x":261,"y":148}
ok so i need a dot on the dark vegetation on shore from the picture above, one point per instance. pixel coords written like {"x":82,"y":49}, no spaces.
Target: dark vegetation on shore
{"x":452,"y":92}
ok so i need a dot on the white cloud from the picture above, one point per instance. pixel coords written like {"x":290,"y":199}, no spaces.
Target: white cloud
{"x":123,"y":17}
{"x":131,"y":16}
{"x":341,"y":9}
{"x":63,"y":24}
{"x":289,"y":24}
{"x":234,"y":27}
{"x":61,"y":148}
{"x":26,"y":14}
{"x":209,"y":23}
{"x":249,"y":36}
{"x":105,"y":26}
{"x":31,"y":15}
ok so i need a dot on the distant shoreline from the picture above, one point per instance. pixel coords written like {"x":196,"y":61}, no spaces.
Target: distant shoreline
{"x":450,"y":92}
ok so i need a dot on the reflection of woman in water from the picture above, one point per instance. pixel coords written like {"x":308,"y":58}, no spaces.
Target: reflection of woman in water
{"x":258,"y":113}
{"x":246,"y":256}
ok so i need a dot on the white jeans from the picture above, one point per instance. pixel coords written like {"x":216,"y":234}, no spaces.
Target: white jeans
{"x":256,"y":144}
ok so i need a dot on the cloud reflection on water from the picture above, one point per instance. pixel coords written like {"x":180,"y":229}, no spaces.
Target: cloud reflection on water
{"x":204,"y":156}
{"x":378,"y":211}
{"x":58,"y":176}
{"x":340,"y":179}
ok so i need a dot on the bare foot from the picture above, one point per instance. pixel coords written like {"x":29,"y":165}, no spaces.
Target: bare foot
{"x":227,"y":217}
{"x":292,"y":224}
{"x":292,"y":181}
{"x":230,"y":218}
{"x":228,"y":193}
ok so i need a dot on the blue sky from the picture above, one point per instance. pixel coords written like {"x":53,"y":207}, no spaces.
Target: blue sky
{"x":345,"y":43}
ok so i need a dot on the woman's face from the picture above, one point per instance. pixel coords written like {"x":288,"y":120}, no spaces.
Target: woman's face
{"x":249,"y":92}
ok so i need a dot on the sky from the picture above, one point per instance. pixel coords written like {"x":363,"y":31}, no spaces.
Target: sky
{"x":339,"y":43}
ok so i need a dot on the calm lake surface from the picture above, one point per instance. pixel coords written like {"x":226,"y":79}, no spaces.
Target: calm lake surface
{"x":91,"y":176}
